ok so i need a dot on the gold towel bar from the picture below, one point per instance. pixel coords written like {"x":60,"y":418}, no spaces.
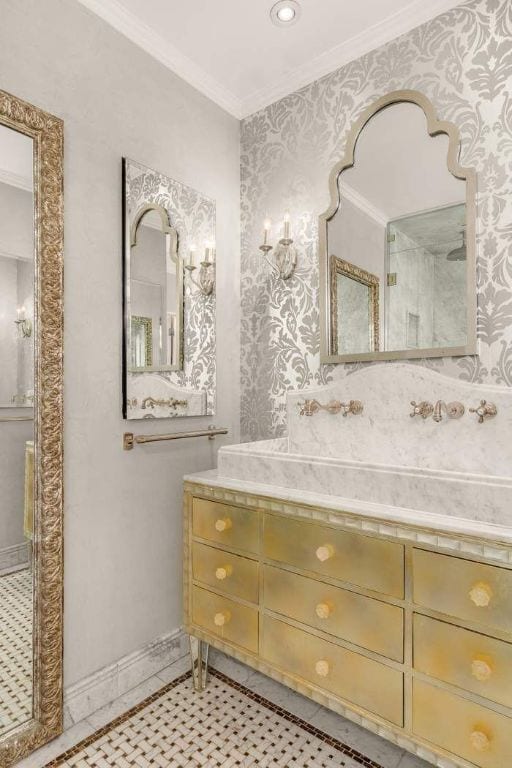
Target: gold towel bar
{"x":130,"y":440}
{"x":16,"y":418}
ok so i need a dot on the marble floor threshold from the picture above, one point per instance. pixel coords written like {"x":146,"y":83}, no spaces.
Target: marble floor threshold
{"x":243,"y":719}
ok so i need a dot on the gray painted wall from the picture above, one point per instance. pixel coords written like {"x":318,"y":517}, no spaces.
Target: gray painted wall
{"x":462,"y":60}
{"x":122,"y":510}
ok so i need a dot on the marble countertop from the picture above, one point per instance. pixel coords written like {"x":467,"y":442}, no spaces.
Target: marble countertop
{"x":399,"y":515}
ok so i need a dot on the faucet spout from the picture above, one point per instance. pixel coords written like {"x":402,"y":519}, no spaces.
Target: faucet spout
{"x":438,"y":411}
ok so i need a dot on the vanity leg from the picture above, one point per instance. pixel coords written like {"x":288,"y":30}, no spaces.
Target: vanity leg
{"x":199,"y":659}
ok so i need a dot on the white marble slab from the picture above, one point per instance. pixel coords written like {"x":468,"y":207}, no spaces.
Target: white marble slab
{"x":385,"y":433}
{"x":442,"y":523}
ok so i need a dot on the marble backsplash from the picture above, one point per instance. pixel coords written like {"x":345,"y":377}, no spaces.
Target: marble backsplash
{"x":386,"y":434}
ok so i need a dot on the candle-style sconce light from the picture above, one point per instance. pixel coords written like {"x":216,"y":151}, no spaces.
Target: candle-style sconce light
{"x":205,"y":280}
{"x":23,"y":323}
{"x":285,"y":253}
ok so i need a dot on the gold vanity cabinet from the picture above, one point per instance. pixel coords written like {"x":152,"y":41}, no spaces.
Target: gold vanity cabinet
{"x":348,"y":675}
{"x":361,"y":620}
{"x":224,"y":524}
{"x":477,"y":734}
{"x":466,"y":659}
{"x":227,"y":619}
{"x":232,"y":574}
{"x":364,"y":561}
{"x":463,"y":589}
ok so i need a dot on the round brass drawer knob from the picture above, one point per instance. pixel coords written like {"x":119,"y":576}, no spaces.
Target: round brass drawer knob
{"x":223,"y":524}
{"x":323,"y":610}
{"x":322,"y":668}
{"x":481,"y":670}
{"x":480,"y":594}
{"x":223,"y":572}
{"x":324,"y":552}
{"x":221,"y":618}
{"x":479,"y":741}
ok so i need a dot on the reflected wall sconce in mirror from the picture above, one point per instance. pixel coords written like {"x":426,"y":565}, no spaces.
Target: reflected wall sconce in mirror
{"x":206,"y":277}
{"x":23,"y":323}
{"x":285,"y":253}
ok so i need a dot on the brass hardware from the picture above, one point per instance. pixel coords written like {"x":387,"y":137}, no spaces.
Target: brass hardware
{"x":16,"y":418}
{"x":484,"y":411}
{"x":423,"y":409}
{"x":221,"y":618}
{"x":170,"y":402}
{"x":453,"y":410}
{"x":223,"y":572}
{"x":481,"y":670}
{"x":479,"y":741}
{"x":322,"y":668}
{"x":391,"y":277}
{"x":310,"y":407}
{"x":323,"y":610}
{"x":324,"y":552}
{"x":481,"y":594}
{"x":222,"y":524}
{"x":130,"y":440}
{"x":199,"y":663}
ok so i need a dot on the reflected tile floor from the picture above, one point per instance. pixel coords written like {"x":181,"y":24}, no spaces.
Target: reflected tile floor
{"x":15,"y":649}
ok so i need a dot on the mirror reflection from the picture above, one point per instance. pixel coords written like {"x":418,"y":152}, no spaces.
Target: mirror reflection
{"x":397,"y":244}
{"x":169,"y":297}
{"x":16,"y":427}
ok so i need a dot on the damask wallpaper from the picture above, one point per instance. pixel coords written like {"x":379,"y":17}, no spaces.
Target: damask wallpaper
{"x":193,"y":216}
{"x":462,"y":60}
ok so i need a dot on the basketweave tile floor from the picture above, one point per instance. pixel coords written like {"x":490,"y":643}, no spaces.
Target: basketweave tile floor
{"x":15,"y":649}
{"x":244,"y":719}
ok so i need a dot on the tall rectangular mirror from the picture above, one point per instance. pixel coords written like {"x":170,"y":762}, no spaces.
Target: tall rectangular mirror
{"x":169,"y":297}
{"x":30,"y":428}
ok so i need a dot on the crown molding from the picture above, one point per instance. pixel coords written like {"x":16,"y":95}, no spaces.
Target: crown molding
{"x":167,"y":54}
{"x":410,"y":17}
{"x":364,"y":205}
{"x":16,"y":180}
{"x":413,"y":15}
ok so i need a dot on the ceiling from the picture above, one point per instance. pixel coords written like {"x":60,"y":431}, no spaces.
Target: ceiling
{"x":230,"y":50}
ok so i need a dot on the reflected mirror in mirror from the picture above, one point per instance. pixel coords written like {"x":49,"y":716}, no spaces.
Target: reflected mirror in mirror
{"x":169,"y":321}
{"x":16,"y":428}
{"x":403,"y":223}
{"x":156,"y":294}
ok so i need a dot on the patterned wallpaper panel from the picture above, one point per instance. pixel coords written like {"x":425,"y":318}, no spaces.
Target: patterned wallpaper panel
{"x":462,"y":60}
{"x":193,"y":216}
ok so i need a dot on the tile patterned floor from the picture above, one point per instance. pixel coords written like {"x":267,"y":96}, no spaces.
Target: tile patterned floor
{"x":225,"y":726}
{"x":15,"y":649}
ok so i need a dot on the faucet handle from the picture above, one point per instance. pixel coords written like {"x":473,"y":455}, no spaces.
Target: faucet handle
{"x":423,"y":409}
{"x":484,"y":410}
{"x":355,"y":407}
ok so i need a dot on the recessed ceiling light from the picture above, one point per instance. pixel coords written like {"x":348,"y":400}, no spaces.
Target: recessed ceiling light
{"x":285,"y":13}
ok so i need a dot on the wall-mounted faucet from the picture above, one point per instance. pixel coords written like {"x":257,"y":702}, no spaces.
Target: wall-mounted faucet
{"x":453,"y":410}
{"x":309,"y":407}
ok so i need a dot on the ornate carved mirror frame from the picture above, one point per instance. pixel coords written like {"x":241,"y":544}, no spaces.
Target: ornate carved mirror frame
{"x":47,"y":134}
{"x":328,"y":352}
{"x":346,"y":269}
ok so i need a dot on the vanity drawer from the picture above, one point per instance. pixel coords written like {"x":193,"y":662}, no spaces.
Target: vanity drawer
{"x":233,"y":622}
{"x":467,"y":659}
{"x":468,"y":730}
{"x":348,"y":675}
{"x":235,"y":575}
{"x":361,"y":560}
{"x":468,"y":590}
{"x":227,"y":525}
{"x":361,"y":620}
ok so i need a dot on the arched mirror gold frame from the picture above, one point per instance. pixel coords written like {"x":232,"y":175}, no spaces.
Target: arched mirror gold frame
{"x":46,"y":132}
{"x":328,"y":345}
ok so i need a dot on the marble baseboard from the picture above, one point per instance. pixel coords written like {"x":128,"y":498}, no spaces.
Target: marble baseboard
{"x":109,"y":683}
{"x":13,"y":558}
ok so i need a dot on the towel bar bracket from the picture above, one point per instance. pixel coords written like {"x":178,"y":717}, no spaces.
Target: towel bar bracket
{"x":130,"y":440}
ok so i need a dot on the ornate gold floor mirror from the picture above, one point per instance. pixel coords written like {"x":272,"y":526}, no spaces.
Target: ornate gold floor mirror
{"x":31,"y":299}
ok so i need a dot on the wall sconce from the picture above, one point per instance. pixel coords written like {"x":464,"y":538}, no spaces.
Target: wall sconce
{"x":206,"y":277}
{"x":23,"y":323}
{"x":285,"y":254}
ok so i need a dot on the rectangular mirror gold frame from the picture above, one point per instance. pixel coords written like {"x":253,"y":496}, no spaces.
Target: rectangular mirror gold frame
{"x":341,"y":268}
{"x":46,"y":131}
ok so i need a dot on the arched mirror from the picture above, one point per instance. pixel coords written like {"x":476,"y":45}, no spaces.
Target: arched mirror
{"x":155,"y":300}
{"x":397,"y":245}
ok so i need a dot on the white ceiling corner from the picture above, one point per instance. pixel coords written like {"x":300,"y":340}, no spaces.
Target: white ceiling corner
{"x":307,"y":66}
